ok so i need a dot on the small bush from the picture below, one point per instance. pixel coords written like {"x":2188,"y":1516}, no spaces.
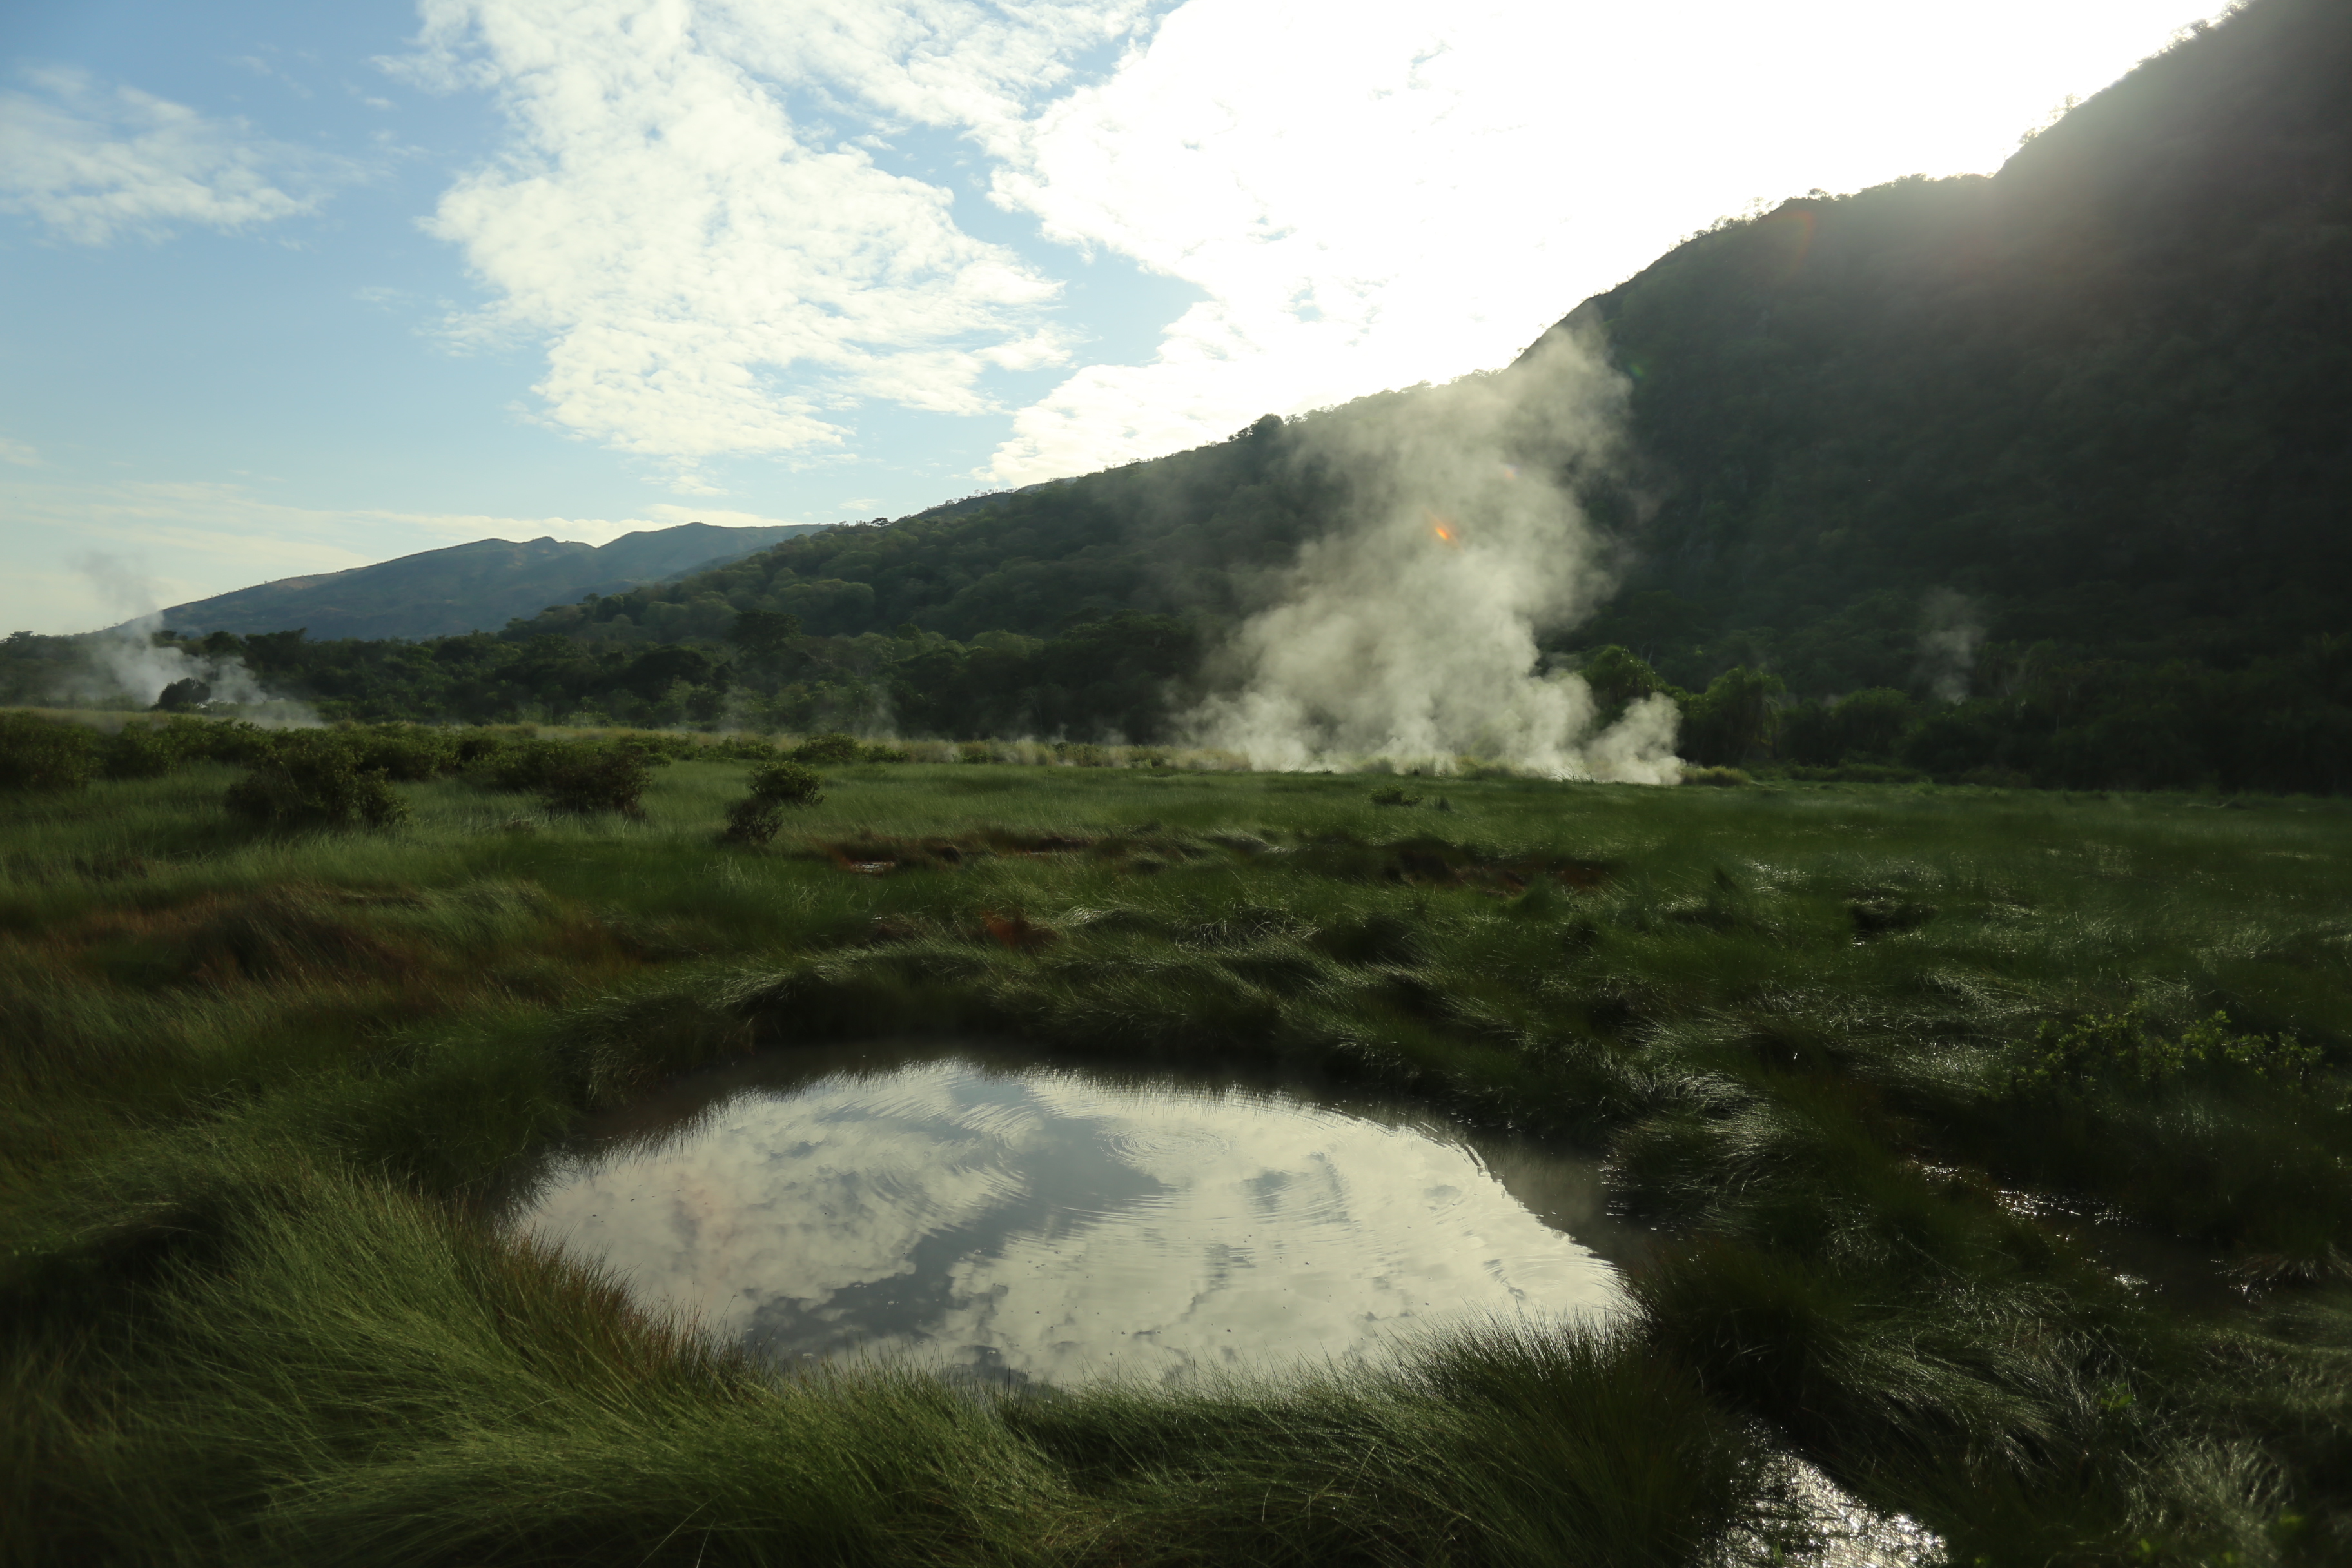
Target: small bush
{"x":787,"y":783}
{"x":758,"y":817}
{"x":310,"y":779}
{"x":1394,"y":796}
{"x":182,"y":696}
{"x":740,"y":749}
{"x":482,"y":745}
{"x":598,"y":778}
{"x":751,"y":821}
{"x":833,"y":748}
{"x":578,"y":777}
{"x":44,"y":753}
{"x":406,"y":753}
{"x":138,"y":752}
{"x":525,"y":766}
{"x":1721,"y":778}
{"x":877,"y":752}
{"x":217,"y":740}
{"x":2119,"y":1048}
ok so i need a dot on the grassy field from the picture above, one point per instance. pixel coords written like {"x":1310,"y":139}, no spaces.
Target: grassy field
{"x":1969,"y":1199}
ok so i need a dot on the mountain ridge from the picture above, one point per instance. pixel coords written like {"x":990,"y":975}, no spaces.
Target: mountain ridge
{"x":475,"y":587}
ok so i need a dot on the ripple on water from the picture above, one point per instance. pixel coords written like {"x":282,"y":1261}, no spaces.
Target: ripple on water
{"x":1044,"y":1223}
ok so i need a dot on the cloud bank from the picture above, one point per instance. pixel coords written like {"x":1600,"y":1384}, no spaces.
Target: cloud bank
{"x":710,"y":213}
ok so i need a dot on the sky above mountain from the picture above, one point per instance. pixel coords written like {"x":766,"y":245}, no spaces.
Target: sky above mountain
{"x":295,"y":288}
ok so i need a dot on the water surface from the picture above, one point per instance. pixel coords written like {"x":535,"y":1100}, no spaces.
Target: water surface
{"x":979,"y":1209}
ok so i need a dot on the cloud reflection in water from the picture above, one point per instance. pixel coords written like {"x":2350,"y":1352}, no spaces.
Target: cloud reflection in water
{"x":1055,"y":1225}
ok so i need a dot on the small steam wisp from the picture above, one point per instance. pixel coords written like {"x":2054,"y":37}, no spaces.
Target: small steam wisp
{"x":1949,"y":635}
{"x":1409,"y":638}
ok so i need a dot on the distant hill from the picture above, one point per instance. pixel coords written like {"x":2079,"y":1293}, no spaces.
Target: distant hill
{"x":470,"y":587}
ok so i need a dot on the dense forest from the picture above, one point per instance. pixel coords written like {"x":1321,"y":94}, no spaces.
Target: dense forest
{"x":2040,"y":476}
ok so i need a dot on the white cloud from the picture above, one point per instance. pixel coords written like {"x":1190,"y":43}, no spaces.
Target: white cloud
{"x":23,"y":454}
{"x":684,"y":243}
{"x":92,"y":166}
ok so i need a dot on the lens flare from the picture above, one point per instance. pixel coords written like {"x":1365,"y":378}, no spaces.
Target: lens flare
{"x":1446,"y":531}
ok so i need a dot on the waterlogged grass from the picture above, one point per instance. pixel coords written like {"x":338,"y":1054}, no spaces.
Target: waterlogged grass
{"x":252,"y":1085}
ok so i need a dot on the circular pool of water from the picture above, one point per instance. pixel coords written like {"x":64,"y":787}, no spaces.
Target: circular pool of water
{"x":975,"y":1209}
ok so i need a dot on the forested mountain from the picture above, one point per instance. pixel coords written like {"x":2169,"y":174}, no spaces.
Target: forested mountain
{"x":468,"y":587}
{"x":2104,"y":395}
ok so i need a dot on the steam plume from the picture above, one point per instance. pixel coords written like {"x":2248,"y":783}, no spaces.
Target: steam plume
{"x":1409,"y":637}
{"x":1947,"y":644}
{"x":125,"y":662}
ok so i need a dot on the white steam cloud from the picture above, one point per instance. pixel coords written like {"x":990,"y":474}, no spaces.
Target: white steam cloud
{"x":125,"y":662}
{"x":1949,"y":638}
{"x":1410,"y":638}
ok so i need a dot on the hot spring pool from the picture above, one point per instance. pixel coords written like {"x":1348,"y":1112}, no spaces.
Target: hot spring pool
{"x":971,"y":1209}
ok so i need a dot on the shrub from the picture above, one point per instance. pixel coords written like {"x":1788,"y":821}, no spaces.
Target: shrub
{"x":139,"y":752}
{"x":481,"y":745}
{"x":525,"y":766}
{"x":1732,"y":718}
{"x":310,"y":779}
{"x":832,"y":748}
{"x":751,"y":821}
{"x":1618,"y":680}
{"x":787,"y":783}
{"x":2119,"y":1048}
{"x":740,"y":749}
{"x":591,"y":778}
{"x":217,"y":740}
{"x":581,"y":776}
{"x":1719,"y":777}
{"x":182,"y":695}
{"x":1394,"y":796}
{"x":877,"y":752}
{"x":757,"y":818}
{"x":404,"y":752}
{"x":44,"y":753}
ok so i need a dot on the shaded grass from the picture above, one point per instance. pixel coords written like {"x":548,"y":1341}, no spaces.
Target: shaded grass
{"x":252,"y":1083}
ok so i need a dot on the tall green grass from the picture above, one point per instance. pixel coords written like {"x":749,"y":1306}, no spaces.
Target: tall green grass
{"x":254,"y":1083}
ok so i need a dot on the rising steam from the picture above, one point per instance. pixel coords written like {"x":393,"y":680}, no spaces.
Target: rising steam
{"x":125,"y":662}
{"x":1949,"y":634}
{"x":1408,"y":636}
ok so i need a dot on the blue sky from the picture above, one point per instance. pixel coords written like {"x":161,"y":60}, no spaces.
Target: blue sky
{"x":294,"y":288}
